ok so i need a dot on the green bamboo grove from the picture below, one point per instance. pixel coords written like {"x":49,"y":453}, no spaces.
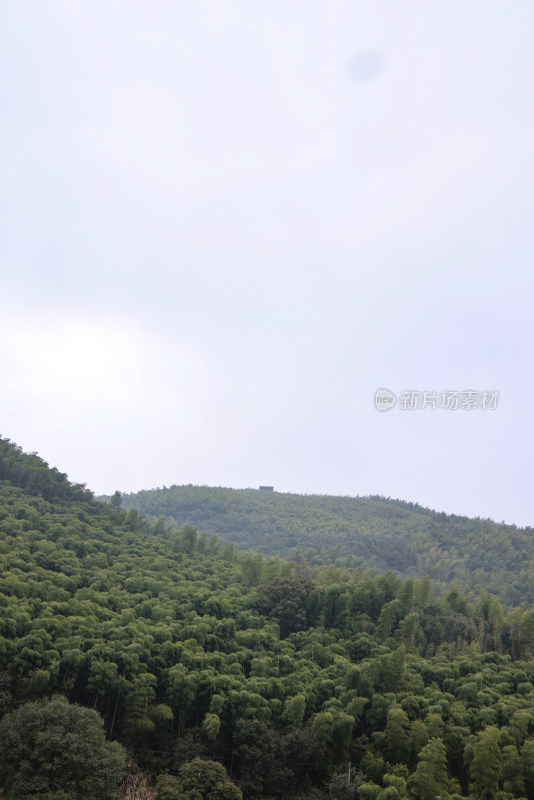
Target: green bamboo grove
{"x":224,"y":673}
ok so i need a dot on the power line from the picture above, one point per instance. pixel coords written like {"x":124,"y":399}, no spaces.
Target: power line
{"x":228,"y":758}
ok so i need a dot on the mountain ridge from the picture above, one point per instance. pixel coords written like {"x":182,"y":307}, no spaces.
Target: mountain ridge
{"x":374,"y":532}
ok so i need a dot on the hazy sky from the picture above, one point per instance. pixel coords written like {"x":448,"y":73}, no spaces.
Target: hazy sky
{"x":224,"y":225}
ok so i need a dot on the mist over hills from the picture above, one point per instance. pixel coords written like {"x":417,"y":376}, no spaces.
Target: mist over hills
{"x":375,"y":533}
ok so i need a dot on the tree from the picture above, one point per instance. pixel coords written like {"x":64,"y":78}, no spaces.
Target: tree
{"x":397,"y":729}
{"x":512,"y":771}
{"x":369,"y":791}
{"x":116,"y":507}
{"x":457,"y":601}
{"x":285,"y":600}
{"x":342,"y":788}
{"x":294,"y":708}
{"x":51,"y":748}
{"x":168,"y":788}
{"x":206,"y":780}
{"x":430,"y":779}
{"x":406,"y":597}
{"x":258,"y":755}
{"x":418,"y":736}
{"x":408,"y":629}
{"x":387,"y":619}
{"x":486,"y":766}
{"x":211,"y":726}
{"x":527,"y":762}
{"x":140,"y":695}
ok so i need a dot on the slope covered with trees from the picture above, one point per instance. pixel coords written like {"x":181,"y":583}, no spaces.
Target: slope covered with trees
{"x":354,"y":532}
{"x":228,"y":674}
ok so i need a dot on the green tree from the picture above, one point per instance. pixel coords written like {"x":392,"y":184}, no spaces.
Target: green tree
{"x":512,"y":771}
{"x":116,"y":507}
{"x":387,"y":619}
{"x":486,"y":764}
{"x":294,"y":709}
{"x":206,"y":780}
{"x":430,"y":779}
{"x":527,"y":762}
{"x":211,"y":726}
{"x":406,"y":597}
{"x":257,"y":756}
{"x":408,"y":628}
{"x":50,"y":748}
{"x":418,"y":736}
{"x":342,"y":788}
{"x":285,"y":600}
{"x":369,"y":791}
{"x":397,"y":730}
{"x":456,"y":600}
{"x":168,"y":788}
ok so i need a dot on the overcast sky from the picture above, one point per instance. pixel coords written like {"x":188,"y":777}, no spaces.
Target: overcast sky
{"x":224,"y":225}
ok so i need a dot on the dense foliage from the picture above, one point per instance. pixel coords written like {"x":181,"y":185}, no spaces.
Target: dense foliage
{"x":54,"y":749}
{"x":373,"y":532}
{"x":228,"y":673}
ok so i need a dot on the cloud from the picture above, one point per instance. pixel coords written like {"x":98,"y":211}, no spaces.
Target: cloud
{"x":223,"y":228}
{"x":85,"y":381}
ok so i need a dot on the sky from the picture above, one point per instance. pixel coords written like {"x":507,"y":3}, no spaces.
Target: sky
{"x":225,"y":225}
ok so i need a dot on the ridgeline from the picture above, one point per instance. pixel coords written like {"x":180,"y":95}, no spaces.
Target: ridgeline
{"x":372,"y":533}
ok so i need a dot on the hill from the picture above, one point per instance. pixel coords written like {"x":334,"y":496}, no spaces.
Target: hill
{"x":358,"y":532}
{"x":229,"y":674}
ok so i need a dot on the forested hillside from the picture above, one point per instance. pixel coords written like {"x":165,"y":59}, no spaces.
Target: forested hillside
{"x":225,"y":674}
{"x":373,"y":532}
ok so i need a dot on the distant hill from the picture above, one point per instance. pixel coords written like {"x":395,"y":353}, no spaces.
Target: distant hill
{"x":351,"y":532}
